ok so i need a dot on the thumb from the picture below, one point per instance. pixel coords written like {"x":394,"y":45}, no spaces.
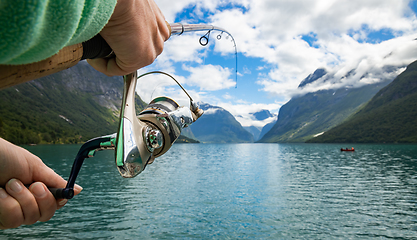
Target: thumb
{"x":101,"y":65}
{"x":111,"y":66}
{"x":43,"y":173}
{"x":40,"y":172}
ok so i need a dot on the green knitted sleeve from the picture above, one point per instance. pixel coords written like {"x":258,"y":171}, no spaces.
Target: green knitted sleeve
{"x":33,"y":30}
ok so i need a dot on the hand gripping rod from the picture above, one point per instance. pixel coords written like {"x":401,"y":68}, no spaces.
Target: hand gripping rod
{"x":67,"y":57}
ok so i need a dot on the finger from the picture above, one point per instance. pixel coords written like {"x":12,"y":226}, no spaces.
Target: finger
{"x":62,"y":202}
{"x":27,"y":201}
{"x":108,"y":66}
{"x":163,"y":28}
{"x":44,"y":174}
{"x":100,"y":64}
{"x":11,"y":215}
{"x":77,"y":189}
{"x":119,"y":67}
{"x":111,"y":66}
{"x":47,"y":203}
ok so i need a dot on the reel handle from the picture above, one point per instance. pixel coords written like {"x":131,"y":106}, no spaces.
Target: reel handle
{"x":62,"y":193}
{"x":87,"y":150}
{"x":59,"y":193}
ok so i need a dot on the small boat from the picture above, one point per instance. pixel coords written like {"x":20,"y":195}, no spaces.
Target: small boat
{"x":347,"y":149}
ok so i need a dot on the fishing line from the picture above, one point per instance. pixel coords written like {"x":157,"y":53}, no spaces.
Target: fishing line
{"x":204,"y":40}
{"x":164,"y":73}
{"x":179,"y":28}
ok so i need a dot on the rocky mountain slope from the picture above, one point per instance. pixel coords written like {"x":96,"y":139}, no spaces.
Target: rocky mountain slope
{"x":391,"y":115}
{"x":309,"y":115}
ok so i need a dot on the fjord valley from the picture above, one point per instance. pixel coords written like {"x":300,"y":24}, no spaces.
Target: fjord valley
{"x":375,"y":113}
{"x":79,"y":103}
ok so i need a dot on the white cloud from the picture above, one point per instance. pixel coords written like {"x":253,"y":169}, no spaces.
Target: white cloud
{"x":368,"y":63}
{"x":244,"y":112}
{"x":171,"y":8}
{"x":211,"y":111}
{"x":184,"y":48}
{"x":227,"y":96}
{"x":209,"y":77}
{"x":273,"y":30}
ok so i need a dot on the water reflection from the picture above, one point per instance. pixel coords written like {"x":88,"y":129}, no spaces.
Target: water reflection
{"x":262,"y":191}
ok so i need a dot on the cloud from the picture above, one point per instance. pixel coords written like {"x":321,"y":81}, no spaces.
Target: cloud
{"x":212,"y":111}
{"x":369,"y":63}
{"x":184,"y":48}
{"x":227,"y":96}
{"x":243,"y":112}
{"x":292,"y":39}
{"x":272,"y":30}
{"x":367,"y":60}
{"x":210,"y":77}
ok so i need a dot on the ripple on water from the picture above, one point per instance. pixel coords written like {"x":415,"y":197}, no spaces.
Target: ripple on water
{"x":233,"y":191}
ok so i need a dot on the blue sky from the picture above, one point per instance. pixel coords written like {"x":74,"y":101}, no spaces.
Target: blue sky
{"x":279,"y":44}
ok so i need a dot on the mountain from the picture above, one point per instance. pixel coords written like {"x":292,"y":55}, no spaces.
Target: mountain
{"x":303,"y":117}
{"x":70,"y":106}
{"x":390,"y":116}
{"x":219,"y":126}
{"x":319,"y":73}
{"x":262,"y":115}
{"x":260,"y":119}
{"x":266,"y":128}
{"x":255,"y":131}
{"x":187,"y":136}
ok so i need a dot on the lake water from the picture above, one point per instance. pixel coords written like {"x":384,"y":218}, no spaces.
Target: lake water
{"x":239,"y":191}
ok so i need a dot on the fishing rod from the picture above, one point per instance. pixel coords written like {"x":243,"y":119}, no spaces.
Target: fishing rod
{"x":96,"y":47}
{"x":179,"y":28}
{"x":140,"y":137}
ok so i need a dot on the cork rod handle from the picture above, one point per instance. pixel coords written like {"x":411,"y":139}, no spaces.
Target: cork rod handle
{"x":67,"y":57}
